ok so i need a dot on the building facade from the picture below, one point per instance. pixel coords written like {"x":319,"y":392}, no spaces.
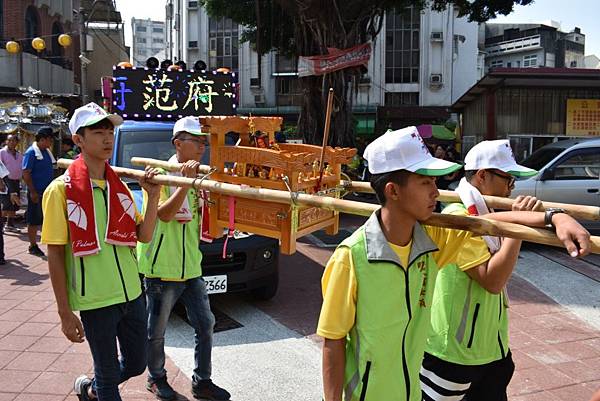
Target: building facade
{"x":50,"y":70}
{"x":148,"y":39}
{"x":533,"y":45}
{"x":421,"y":62}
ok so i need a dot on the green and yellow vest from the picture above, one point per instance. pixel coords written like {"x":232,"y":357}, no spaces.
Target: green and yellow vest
{"x":107,"y":278}
{"x":385,"y":348}
{"x":469,"y":325}
{"x":173,"y":253}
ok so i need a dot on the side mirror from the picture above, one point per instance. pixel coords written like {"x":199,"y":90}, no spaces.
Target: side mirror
{"x":547,"y":174}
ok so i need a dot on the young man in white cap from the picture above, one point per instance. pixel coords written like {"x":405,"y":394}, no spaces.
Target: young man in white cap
{"x":90,"y":228}
{"x":378,"y":284}
{"x":467,"y":353}
{"x":171,"y":263}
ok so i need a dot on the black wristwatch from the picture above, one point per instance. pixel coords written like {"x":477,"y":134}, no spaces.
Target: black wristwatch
{"x":551,"y":211}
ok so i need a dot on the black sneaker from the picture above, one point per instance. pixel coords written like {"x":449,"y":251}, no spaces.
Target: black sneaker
{"x":161,"y":389}
{"x":36,"y":251}
{"x":80,"y":387}
{"x":206,"y":390}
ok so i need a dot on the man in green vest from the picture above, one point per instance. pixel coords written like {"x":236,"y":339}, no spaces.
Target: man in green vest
{"x":378,"y":284}
{"x":91,"y":229}
{"x":467,"y":353}
{"x":171,"y":265}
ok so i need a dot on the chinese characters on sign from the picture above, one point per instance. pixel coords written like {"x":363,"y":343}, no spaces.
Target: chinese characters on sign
{"x":156,"y":94}
{"x":583,"y":117}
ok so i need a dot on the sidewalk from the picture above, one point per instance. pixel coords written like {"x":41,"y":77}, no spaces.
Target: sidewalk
{"x":37,"y":363}
{"x":557,"y":355}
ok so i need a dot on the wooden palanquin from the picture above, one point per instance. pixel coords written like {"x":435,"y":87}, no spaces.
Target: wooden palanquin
{"x":296,"y":161}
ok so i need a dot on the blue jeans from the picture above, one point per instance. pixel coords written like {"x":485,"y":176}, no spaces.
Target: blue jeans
{"x":162,"y":296}
{"x":127,"y":323}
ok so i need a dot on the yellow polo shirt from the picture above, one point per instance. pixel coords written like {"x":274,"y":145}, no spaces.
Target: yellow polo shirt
{"x":339,"y":282}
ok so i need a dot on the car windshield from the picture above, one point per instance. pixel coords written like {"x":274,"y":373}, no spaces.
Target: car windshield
{"x":541,"y":157}
{"x":154,"y":144}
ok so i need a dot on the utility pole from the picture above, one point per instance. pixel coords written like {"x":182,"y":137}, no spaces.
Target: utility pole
{"x":83,"y":56}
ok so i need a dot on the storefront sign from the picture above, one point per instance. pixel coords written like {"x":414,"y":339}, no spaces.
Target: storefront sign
{"x":145,"y":94}
{"x":583,"y":117}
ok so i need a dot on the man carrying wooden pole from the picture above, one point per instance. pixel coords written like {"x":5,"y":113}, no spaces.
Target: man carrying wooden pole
{"x":171,"y":263}
{"x":467,"y":353}
{"x":378,"y":284}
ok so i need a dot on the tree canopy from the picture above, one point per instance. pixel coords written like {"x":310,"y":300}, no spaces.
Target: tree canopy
{"x":309,"y":27}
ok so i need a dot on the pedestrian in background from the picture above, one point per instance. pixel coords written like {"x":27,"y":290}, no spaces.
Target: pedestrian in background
{"x":38,"y":166}
{"x":13,"y":161}
{"x":3,"y":188}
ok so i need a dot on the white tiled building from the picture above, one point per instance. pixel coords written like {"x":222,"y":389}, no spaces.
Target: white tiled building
{"x":148,"y":39}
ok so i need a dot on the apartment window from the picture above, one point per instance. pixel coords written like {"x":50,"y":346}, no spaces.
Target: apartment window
{"x":140,"y":28}
{"x":193,"y":44}
{"x":530,"y":61}
{"x":157,"y":30}
{"x":140,"y":40}
{"x":496,"y":63}
{"x":223,"y":43}
{"x":192,"y":4}
{"x":32,"y":27}
{"x":402,"y":98}
{"x":289,"y":92}
{"x":402,"y":43}
{"x":157,"y":40}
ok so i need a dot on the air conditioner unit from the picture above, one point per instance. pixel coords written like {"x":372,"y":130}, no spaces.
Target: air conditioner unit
{"x":437,"y":36}
{"x":436,"y":80}
{"x":259,"y":98}
{"x":254,"y":83}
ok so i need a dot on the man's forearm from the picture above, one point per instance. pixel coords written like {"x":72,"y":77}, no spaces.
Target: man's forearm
{"x":334,"y":362}
{"x":168,"y":209}
{"x":502,"y":264}
{"x":28,"y":181}
{"x":58,"y":277}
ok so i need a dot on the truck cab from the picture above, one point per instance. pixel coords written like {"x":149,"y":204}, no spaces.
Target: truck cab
{"x":251,"y":263}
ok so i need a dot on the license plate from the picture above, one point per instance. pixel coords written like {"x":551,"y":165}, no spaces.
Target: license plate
{"x":216,"y":284}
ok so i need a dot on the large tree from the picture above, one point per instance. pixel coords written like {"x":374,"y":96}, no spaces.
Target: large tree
{"x":309,"y":27}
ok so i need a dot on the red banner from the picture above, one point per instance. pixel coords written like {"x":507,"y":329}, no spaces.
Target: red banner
{"x":336,"y":60}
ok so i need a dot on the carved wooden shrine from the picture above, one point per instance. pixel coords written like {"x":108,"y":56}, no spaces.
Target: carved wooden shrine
{"x":258,"y":162}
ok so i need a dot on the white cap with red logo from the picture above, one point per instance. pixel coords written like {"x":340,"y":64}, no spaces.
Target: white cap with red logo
{"x":496,"y":155}
{"x":404,"y":149}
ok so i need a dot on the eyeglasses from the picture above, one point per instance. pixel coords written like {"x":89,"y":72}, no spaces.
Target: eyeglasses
{"x":509,"y":178}
{"x":198,"y":142}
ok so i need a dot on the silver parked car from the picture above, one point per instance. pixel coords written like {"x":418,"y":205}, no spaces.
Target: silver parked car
{"x":568,"y":172}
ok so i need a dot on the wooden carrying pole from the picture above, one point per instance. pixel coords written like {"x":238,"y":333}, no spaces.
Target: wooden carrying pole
{"x":577,"y":211}
{"x":477,"y":225}
{"x":325,"y":135}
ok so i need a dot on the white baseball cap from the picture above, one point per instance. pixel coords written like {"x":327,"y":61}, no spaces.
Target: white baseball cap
{"x":404,"y":149}
{"x":495,"y":155}
{"x":188,"y":124}
{"x":91,"y":114}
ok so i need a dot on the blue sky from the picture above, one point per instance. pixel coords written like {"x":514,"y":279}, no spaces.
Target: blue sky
{"x":581,"y":13}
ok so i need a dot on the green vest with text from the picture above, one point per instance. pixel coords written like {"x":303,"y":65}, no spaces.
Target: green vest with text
{"x":469,"y":325}
{"x":174,"y":252}
{"x":384,"y":349}
{"x":107,"y":278}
